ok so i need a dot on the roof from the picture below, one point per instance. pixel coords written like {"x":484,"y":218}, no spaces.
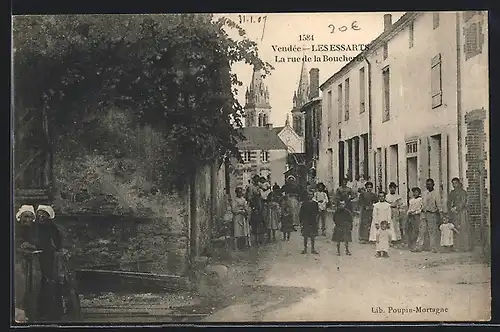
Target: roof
{"x":311,"y":102}
{"x":261,"y":138}
{"x":278,"y":129}
{"x":373,"y":45}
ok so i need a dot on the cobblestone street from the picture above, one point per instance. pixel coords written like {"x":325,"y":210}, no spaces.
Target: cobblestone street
{"x":347,"y":288}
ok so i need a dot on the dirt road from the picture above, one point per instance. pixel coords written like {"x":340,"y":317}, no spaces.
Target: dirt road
{"x":288,"y":286}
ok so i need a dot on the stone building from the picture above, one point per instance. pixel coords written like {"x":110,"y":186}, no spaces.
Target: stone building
{"x":312,"y":124}
{"x":395,"y":112}
{"x":263,"y":152}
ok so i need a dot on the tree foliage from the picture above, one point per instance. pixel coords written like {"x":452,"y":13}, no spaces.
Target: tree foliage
{"x":172,"y":72}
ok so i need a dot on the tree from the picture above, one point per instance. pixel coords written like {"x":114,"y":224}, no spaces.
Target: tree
{"x":168,"y":71}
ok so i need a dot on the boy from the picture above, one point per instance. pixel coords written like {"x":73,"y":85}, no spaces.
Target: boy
{"x":321,"y":198}
{"x":343,"y":227}
{"x":308,"y":216}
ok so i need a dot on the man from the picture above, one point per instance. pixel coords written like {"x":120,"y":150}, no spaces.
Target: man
{"x":308,"y":217}
{"x":366,"y":200}
{"x":430,"y":217}
{"x":344,"y":193}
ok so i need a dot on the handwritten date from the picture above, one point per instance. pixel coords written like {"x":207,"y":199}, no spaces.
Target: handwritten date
{"x":251,"y":19}
{"x":344,"y":28}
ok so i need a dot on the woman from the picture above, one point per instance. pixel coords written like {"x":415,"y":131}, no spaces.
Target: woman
{"x":50,"y":242}
{"x":396,"y":206}
{"x":381,"y":212}
{"x":27,"y":269}
{"x":273,"y":213}
{"x":292,"y":191}
{"x":457,"y":205}
{"x":240,"y":220}
{"x":366,"y":200}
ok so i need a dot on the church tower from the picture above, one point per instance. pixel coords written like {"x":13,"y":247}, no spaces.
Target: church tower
{"x":300,"y":98}
{"x":257,"y":108}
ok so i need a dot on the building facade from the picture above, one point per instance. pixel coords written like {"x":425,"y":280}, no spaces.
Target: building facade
{"x":394,"y":112}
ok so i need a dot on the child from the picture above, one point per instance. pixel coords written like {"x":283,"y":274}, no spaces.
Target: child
{"x":240,"y":219}
{"x":287,"y":218}
{"x":321,"y":198}
{"x":342,"y":219}
{"x":308,"y":216}
{"x":414,"y":211}
{"x":381,"y":212}
{"x":396,"y":202}
{"x":273,"y":213}
{"x":384,"y":237}
{"x":447,"y":229}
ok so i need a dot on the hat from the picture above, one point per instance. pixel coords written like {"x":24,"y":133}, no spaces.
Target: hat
{"x":47,"y":209}
{"x":23,"y":209}
{"x":290,"y":177}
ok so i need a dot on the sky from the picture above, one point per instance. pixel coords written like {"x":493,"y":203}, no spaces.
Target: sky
{"x":284,"y":29}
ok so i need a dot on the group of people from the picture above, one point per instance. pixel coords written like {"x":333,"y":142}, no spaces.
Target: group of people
{"x":384,"y":219}
{"x":40,"y":282}
{"x":422,"y":227}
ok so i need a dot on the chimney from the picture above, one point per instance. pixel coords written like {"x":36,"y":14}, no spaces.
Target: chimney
{"x":269,"y":125}
{"x":387,"y":22}
{"x":313,"y":83}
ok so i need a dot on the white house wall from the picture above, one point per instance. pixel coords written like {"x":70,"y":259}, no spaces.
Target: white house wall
{"x":411,"y":112}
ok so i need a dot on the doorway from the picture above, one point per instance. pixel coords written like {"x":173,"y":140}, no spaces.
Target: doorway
{"x":394,"y":165}
{"x":411,"y":175}
{"x":435,"y":162}
{"x":341,"y":162}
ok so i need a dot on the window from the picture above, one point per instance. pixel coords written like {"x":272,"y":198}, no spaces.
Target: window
{"x":474,"y":39}
{"x":264,"y":156}
{"x":411,"y":34}
{"x":386,"y":51}
{"x":435,"y":20}
{"x":436,"y":81}
{"x":411,"y":147}
{"x":247,"y":156}
{"x":339,"y":103}
{"x":362,"y":92}
{"x":346,"y":110}
{"x":261,"y":119}
{"x":387,"y":95}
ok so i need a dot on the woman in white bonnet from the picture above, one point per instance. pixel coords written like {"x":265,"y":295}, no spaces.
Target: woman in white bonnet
{"x":24,"y":236}
{"x":50,"y":242}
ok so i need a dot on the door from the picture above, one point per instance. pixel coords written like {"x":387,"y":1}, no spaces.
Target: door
{"x":411,"y":174}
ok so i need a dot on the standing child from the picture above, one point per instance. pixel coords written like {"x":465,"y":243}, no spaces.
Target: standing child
{"x":308,"y":216}
{"x":381,"y":212}
{"x":447,"y":229}
{"x":240,"y":220}
{"x":287,"y":218}
{"x":342,"y":232}
{"x":414,"y":211}
{"x":321,"y":198}
{"x":384,"y":237}
{"x":273,"y":212}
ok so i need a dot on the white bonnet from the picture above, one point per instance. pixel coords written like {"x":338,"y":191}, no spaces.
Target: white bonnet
{"x":23,"y":209}
{"x":47,"y":209}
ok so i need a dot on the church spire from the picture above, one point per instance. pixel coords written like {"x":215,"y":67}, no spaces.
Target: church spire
{"x":258,"y":93}
{"x":303,"y":89}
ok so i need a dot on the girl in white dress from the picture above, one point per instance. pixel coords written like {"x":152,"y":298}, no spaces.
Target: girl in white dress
{"x":396,"y":202}
{"x":381,"y":212}
{"x":447,"y":229}
{"x":240,"y":211}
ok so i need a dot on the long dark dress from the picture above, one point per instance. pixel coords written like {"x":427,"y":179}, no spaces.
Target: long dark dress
{"x":256,"y":203}
{"x":49,"y":301}
{"x":26,"y":290}
{"x":287,"y":216}
{"x":342,"y":232}
{"x":457,"y":198}
{"x":308,"y":217}
{"x":366,"y":201}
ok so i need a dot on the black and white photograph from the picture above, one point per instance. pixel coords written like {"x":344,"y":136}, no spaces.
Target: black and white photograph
{"x":250,"y":168}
